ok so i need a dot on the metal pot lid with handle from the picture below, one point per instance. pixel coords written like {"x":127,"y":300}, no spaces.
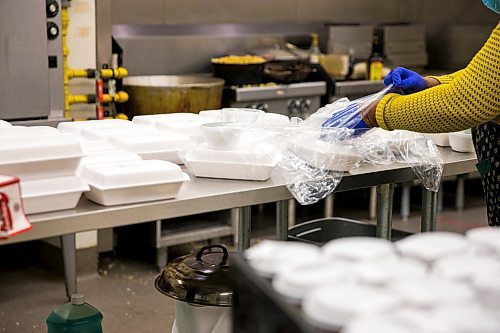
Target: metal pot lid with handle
{"x":198,"y":279}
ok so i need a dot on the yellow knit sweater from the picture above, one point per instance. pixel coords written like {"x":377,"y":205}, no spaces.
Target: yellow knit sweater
{"x":464,"y":99}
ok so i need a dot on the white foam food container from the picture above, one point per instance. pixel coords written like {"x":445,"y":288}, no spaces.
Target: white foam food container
{"x":243,"y":115}
{"x":165,"y":146}
{"x":462,"y":141}
{"x":133,"y":181}
{"x":440,"y":139}
{"x":44,"y":156}
{"x":467,"y":319}
{"x":466,"y":268}
{"x":270,"y":257}
{"x":106,"y":157}
{"x":4,"y":124}
{"x":104,"y":135}
{"x":189,"y":127}
{"x":431,"y":246}
{"x":385,"y":272}
{"x":52,"y":194}
{"x":91,"y":147}
{"x":358,"y":249}
{"x":150,"y":120}
{"x":276,"y":120}
{"x":325,"y":155}
{"x":485,"y":237}
{"x":212,"y":115}
{"x":75,"y":127}
{"x":332,"y":307}
{"x":242,"y":164}
{"x":18,"y":132}
{"x":296,"y":281}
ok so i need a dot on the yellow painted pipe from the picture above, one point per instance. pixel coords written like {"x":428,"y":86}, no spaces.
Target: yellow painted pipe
{"x":113,"y":73}
{"x":119,"y":97}
{"x":73,"y":73}
{"x":77,"y":99}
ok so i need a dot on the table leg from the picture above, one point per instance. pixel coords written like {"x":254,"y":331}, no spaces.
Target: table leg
{"x":384,"y":210}
{"x":460,"y":194}
{"x":244,"y":221}
{"x":440,"y":198}
{"x":405,"y":201}
{"x":329,"y":205}
{"x":282,"y":220}
{"x":373,"y":203}
{"x":68,"y":245}
{"x":292,"y":216}
{"x":429,"y":208}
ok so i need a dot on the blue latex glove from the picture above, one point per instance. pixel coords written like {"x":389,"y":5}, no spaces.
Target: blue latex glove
{"x":348,"y":117}
{"x":405,"y":79}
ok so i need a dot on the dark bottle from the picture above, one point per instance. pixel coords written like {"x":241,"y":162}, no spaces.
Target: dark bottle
{"x":376,"y":61}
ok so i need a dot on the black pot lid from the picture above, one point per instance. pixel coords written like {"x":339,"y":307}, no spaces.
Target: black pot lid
{"x":198,"y":279}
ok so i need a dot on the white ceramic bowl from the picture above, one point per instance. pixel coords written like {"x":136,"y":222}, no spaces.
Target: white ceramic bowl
{"x":440,"y":139}
{"x":462,"y":141}
{"x":223,"y":135}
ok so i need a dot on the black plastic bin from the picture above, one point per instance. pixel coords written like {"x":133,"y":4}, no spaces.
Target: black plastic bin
{"x":323,"y":230}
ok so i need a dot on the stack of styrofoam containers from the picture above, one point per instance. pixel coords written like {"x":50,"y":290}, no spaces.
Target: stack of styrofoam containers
{"x":114,"y":168}
{"x":233,"y":148}
{"x":431,"y":282}
{"x":355,"y":40}
{"x":45,"y":161}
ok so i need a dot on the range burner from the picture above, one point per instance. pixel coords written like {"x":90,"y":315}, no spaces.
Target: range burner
{"x":294,"y":100}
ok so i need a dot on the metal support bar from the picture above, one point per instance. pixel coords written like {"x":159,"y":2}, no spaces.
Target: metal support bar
{"x":244,"y":221}
{"x":329,"y":200}
{"x":405,"y":201}
{"x":384,"y":210}
{"x":292,"y":216}
{"x":429,"y":208}
{"x":68,"y":245}
{"x":282,"y":220}
{"x":440,"y":199}
{"x":373,"y":203}
{"x":460,"y":194}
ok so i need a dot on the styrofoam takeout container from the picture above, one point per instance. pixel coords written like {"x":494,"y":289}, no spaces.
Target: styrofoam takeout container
{"x":105,"y":135}
{"x":242,"y":164}
{"x":133,"y":181}
{"x":270,"y":257}
{"x":358,"y":249}
{"x":431,"y":246}
{"x":4,"y":124}
{"x":91,"y":147}
{"x":212,"y":115}
{"x":51,"y":194}
{"x":331,"y":307}
{"x":243,"y":115}
{"x":440,"y":139}
{"x":106,"y":157}
{"x":223,"y":136}
{"x":75,"y":127}
{"x":45,"y":156}
{"x":189,"y":127}
{"x":165,"y":146}
{"x":276,"y":120}
{"x":485,"y":237}
{"x":151,"y":119}
{"x":466,"y":268}
{"x":462,"y":141}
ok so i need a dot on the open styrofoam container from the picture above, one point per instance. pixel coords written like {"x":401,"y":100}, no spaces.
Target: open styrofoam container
{"x":51,"y":194}
{"x":462,"y":141}
{"x":155,"y":146}
{"x":106,"y":157}
{"x":104,"y":135}
{"x":229,"y":164}
{"x":133,"y":181}
{"x":150,"y":120}
{"x":44,"y":157}
{"x":440,"y":139}
{"x":75,"y":127}
{"x":358,"y":249}
{"x":431,"y":246}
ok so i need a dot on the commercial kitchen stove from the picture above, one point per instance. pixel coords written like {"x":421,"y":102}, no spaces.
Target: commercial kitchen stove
{"x":294,"y":100}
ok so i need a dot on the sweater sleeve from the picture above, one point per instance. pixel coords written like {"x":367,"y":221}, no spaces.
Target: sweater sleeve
{"x":468,"y":98}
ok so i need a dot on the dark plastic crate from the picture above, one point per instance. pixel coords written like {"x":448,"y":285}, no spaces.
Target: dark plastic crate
{"x":320,"y":231}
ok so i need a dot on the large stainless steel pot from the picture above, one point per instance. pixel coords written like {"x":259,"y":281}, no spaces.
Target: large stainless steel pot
{"x":172,"y":93}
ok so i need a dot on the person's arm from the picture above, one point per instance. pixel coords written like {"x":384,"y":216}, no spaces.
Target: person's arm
{"x":433,"y":80}
{"x":471,"y":97}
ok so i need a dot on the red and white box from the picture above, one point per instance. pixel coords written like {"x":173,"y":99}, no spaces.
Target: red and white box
{"x":12,"y":218}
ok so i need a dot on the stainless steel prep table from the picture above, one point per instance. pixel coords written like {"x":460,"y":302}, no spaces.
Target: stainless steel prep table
{"x":203,"y":195}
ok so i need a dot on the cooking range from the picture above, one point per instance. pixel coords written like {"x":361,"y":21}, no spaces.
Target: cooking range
{"x":294,"y":99}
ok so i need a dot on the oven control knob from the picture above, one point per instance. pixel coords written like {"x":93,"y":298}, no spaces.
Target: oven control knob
{"x":304,"y":105}
{"x":51,"y":8}
{"x":294,"y":107}
{"x":52,"y":30}
{"x":264,"y":107}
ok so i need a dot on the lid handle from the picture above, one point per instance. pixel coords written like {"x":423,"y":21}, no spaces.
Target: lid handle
{"x":209,"y":247}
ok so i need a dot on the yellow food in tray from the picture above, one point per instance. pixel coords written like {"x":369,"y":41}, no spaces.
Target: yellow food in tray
{"x":239,"y":60}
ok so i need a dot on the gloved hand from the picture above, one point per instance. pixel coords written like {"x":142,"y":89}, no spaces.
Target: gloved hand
{"x":348,"y":117}
{"x":405,"y":79}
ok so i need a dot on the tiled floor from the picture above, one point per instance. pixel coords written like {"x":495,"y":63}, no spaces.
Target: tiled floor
{"x":124,"y":288}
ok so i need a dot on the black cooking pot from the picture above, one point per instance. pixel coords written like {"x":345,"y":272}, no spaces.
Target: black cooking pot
{"x":287,"y":71}
{"x":239,"y":74}
{"x":198,"y":279}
